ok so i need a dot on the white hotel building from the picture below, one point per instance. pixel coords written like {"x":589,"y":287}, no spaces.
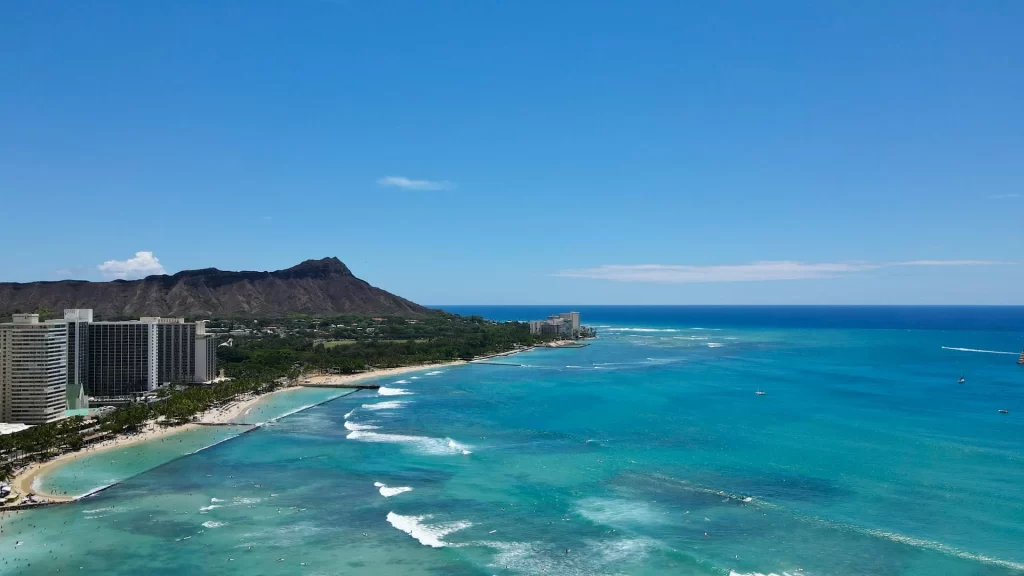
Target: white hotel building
{"x":33,"y":370}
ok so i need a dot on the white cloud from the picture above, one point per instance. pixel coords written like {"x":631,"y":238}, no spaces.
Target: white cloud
{"x":753,"y":272}
{"x":409,"y":184}
{"x":142,"y":265}
{"x":1003,"y":196}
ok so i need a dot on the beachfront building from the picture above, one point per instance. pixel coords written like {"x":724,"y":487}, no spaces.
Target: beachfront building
{"x":566,"y":325}
{"x":206,"y":354}
{"x":128,"y":358}
{"x":33,"y":370}
{"x":123,"y":358}
{"x":176,"y":349}
{"x":78,"y":321}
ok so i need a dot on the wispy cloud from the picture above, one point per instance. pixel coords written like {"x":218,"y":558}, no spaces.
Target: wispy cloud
{"x":753,"y":272}
{"x":410,"y":184}
{"x":142,"y":265}
{"x":1003,"y":196}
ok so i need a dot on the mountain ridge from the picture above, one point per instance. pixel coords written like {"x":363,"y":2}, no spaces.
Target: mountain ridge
{"x":324,"y":286}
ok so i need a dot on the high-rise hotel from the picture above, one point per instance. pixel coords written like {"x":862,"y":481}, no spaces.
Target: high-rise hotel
{"x":47,"y":367}
{"x":33,"y":370}
{"x":133,"y":357}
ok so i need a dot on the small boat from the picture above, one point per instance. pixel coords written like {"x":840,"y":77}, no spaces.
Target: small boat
{"x":1021,"y":359}
{"x":760,"y":392}
{"x":1001,"y":411}
{"x":961,"y":380}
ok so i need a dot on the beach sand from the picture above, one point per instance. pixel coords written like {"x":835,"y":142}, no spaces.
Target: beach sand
{"x":329,"y":379}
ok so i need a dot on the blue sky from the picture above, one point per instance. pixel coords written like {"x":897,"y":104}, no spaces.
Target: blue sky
{"x":524,"y":152}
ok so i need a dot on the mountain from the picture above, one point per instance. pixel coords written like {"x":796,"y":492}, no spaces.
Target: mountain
{"x":324,"y":286}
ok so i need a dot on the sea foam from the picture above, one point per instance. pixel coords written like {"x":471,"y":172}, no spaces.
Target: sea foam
{"x":389,"y":405}
{"x":425,"y":444}
{"x":643,"y":330}
{"x":982,"y":351}
{"x":385,"y":391}
{"x":354,"y":426}
{"x":387,"y":491}
{"x":427,"y":534}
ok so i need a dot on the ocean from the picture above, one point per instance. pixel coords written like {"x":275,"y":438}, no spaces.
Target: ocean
{"x":647,"y":452}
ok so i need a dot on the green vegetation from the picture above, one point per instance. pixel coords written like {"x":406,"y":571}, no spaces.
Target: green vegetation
{"x":360,"y":343}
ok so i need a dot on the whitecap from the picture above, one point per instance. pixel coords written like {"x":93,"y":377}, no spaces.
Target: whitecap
{"x":424,"y":444}
{"x":215,"y":500}
{"x":212,"y":524}
{"x":354,"y":426}
{"x":643,"y":330}
{"x":427,"y":534}
{"x":387,"y":491}
{"x":715,"y":344}
{"x":385,"y":391}
{"x":400,"y":382}
{"x":434,"y":373}
{"x":982,"y":351}
{"x":350,"y":413}
{"x":389,"y":405}
{"x":210,"y":507}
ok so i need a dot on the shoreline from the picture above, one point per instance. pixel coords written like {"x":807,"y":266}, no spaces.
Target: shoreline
{"x":331,"y":379}
{"x":26,"y":480}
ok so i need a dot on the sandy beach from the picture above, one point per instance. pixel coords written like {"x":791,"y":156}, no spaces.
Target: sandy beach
{"x":329,"y":379}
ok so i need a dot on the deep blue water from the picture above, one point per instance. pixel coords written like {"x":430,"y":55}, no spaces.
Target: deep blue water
{"x":647,"y":452}
{"x":987,"y":318}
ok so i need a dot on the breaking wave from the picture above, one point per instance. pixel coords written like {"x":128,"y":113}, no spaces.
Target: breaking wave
{"x":982,"y":351}
{"x":387,"y":491}
{"x":643,"y":330}
{"x":427,"y":534}
{"x":385,"y":391}
{"x":389,"y":405}
{"x":212,"y":524}
{"x":354,"y":426}
{"x":425,"y":444}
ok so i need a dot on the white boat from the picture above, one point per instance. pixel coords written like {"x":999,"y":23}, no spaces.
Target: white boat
{"x":961,"y":380}
{"x":760,"y":392}
{"x":1001,"y":411}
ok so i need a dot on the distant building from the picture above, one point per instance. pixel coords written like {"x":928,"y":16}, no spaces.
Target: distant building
{"x":566,"y":325}
{"x":33,"y":370}
{"x":573,"y":319}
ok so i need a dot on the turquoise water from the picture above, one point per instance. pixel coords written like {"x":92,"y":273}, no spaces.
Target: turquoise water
{"x":646,"y":453}
{"x":91,"y":471}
